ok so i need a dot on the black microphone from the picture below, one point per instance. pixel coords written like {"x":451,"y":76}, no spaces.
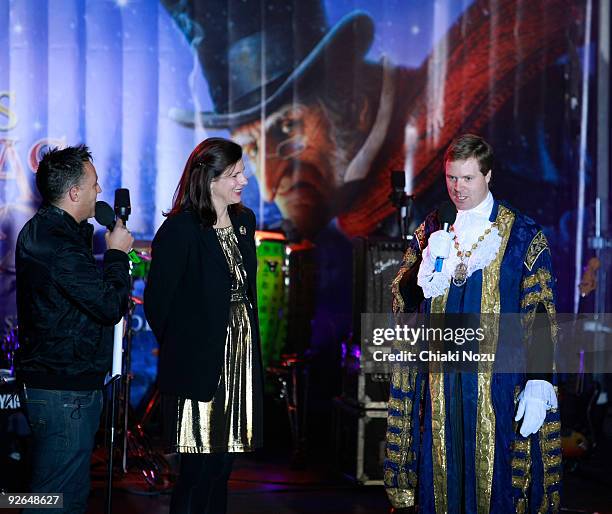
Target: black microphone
{"x":447,"y":214}
{"x":123,"y":208}
{"x":105,"y":215}
{"x":398,"y":182}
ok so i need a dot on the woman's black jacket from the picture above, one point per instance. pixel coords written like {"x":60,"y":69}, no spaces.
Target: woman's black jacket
{"x":187,"y":300}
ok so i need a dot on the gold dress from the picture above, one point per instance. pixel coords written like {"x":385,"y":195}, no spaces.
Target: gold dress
{"x":232,"y":420}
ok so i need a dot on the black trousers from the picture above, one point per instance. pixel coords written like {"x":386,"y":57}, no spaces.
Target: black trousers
{"x":202,"y":484}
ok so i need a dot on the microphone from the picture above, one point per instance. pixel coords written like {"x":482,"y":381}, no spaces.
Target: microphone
{"x":123,"y":208}
{"x":447,"y":214}
{"x":105,"y":215}
{"x":398,"y":180}
{"x":398,"y":183}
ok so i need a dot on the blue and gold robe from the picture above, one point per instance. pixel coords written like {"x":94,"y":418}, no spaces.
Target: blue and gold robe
{"x":467,"y":456}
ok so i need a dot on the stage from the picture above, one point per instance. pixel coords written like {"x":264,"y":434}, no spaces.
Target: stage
{"x":267,"y":482}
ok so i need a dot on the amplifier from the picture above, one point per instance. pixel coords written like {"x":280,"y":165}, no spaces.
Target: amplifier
{"x":376,"y":262}
{"x":359,"y":442}
{"x":375,"y":265}
{"x":366,"y":390}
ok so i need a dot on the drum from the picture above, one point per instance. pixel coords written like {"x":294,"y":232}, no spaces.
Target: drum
{"x":286,"y":280}
{"x":140,"y":270}
{"x":272,"y":293}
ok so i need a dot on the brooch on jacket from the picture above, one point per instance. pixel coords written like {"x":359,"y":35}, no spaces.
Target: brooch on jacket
{"x":242,"y":230}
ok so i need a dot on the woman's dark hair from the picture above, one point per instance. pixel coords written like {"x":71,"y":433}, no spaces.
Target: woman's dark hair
{"x":207,"y":161}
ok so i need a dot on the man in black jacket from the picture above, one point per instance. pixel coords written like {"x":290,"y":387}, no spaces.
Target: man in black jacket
{"x":67,"y":307}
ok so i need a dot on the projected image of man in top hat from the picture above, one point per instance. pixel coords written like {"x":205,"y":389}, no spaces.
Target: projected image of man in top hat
{"x":324,"y":127}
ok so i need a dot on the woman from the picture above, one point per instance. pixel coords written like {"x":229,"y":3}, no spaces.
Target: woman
{"x":200,"y":303}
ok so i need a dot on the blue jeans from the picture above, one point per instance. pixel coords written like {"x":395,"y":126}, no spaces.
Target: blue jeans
{"x":63,"y":425}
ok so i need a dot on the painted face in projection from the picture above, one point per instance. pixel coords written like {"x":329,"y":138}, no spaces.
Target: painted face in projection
{"x":296,"y":163}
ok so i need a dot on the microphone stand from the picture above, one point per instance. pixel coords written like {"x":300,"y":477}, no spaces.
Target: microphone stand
{"x":127,"y":381}
{"x":111,"y":445}
{"x":403,"y":202}
{"x":115,"y":382}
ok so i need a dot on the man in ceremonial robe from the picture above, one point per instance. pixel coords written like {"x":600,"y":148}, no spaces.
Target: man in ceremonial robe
{"x":476,"y":442}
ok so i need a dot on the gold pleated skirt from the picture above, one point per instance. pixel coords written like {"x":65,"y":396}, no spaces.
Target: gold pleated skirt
{"x":232,"y":420}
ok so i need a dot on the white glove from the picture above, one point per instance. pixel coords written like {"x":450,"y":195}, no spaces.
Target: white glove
{"x":439,"y":244}
{"x":537,"y":397}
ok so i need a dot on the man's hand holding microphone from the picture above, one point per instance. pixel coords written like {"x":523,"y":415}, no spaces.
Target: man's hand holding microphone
{"x":119,"y":238}
{"x":439,"y":245}
{"x":440,"y":241}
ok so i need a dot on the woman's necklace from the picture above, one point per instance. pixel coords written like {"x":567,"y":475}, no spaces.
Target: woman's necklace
{"x":460,"y":275}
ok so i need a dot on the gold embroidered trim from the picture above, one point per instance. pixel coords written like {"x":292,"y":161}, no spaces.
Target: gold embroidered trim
{"x":438,"y":429}
{"x":522,"y":465}
{"x":438,"y":420}
{"x":550,"y":441}
{"x":401,"y":380}
{"x":551,"y":445}
{"x":410,"y":258}
{"x":397,"y":405}
{"x":388,"y":477}
{"x":536,"y":247}
{"x":552,"y":461}
{"x":395,"y":421}
{"x":394,"y":456}
{"x":408,"y":455}
{"x":403,"y":423}
{"x":408,"y":410}
{"x":522,"y":446}
{"x":485,"y":417}
{"x":407,"y":480}
{"x":419,"y":233}
{"x":554,"y":326}
{"x":543,"y":504}
{"x":544,"y":295}
{"x":550,"y":427}
{"x":535,"y":297}
{"x":401,"y":498}
{"x":555,"y":501}
{"x":393,"y":438}
{"x":541,"y":276}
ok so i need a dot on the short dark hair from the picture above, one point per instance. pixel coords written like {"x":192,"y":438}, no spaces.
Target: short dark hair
{"x":469,"y":146}
{"x":59,"y":170}
{"x":207,"y":161}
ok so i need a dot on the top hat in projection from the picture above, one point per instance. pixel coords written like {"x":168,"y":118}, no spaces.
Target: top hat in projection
{"x":253,"y":52}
